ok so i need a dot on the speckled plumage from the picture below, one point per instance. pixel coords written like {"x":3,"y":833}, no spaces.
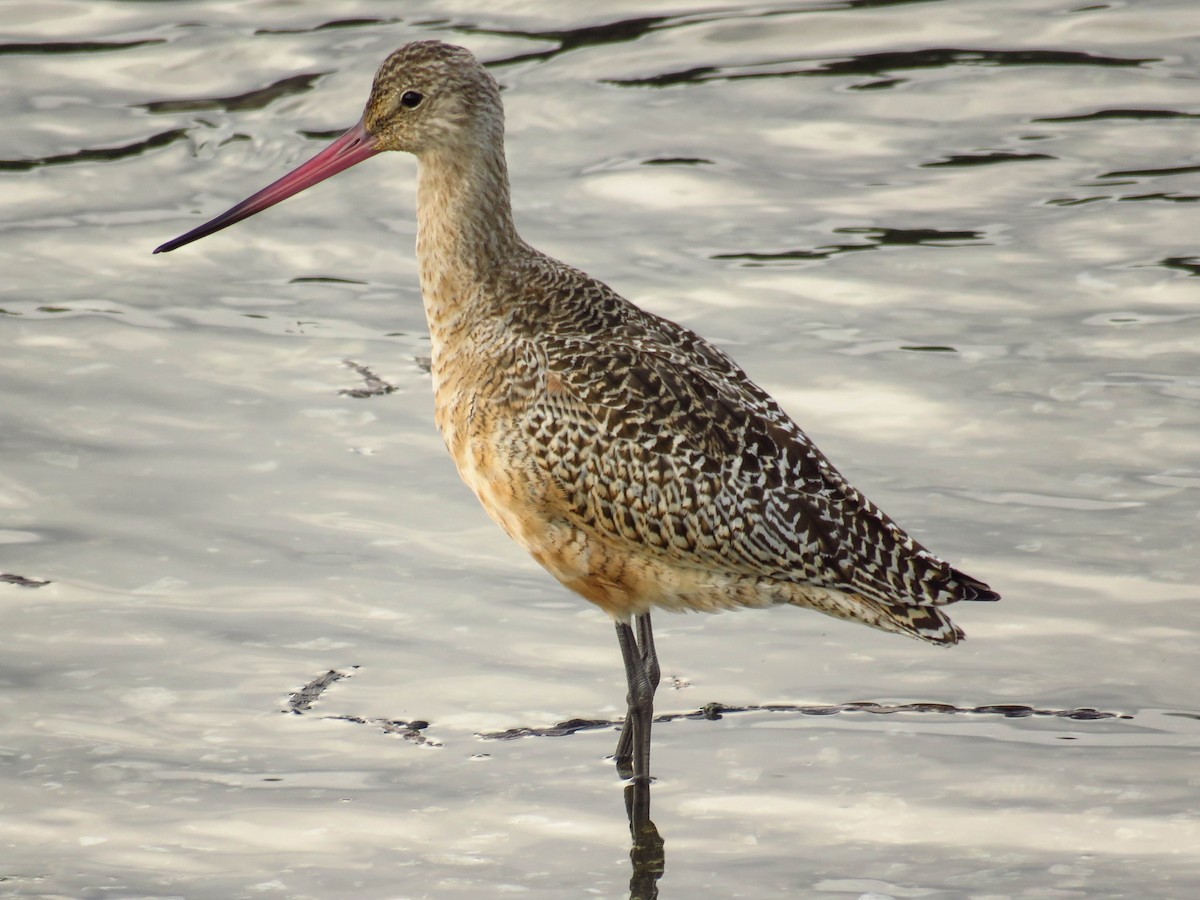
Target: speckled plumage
{"x":630,"y":457}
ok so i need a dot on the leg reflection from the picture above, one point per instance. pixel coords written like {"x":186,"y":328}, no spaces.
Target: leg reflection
{"x":646,"y":853}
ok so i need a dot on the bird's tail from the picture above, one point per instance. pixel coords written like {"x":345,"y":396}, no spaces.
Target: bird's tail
{"x":901,"y":616}
{"x":925,"y":618}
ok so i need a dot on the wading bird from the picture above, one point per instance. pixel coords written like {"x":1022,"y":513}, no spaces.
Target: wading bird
{"x":633,"y":459}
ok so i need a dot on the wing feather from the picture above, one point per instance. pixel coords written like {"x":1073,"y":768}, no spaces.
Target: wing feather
{"x":656,"y":436}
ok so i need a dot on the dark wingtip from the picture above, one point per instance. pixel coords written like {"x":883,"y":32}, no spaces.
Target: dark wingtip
{"x":977,"y":590}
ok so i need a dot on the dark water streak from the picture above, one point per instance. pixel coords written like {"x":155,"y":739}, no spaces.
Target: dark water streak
{"x":877,"y":237}
{"x":52,"y":48}
{"x":258,"y":98}
{"x":884,"y":63}
{"x":99,"y":154}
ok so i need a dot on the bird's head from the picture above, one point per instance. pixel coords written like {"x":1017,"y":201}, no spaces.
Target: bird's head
{"x":427,"y":97}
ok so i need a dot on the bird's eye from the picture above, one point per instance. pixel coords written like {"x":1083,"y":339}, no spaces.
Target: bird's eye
{"x":409,"y":99}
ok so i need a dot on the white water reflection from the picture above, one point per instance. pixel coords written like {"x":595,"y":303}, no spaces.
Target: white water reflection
{"x":221,"y":526}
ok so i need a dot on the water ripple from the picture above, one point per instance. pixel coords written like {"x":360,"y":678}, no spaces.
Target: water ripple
{"x":884,"y":63}
{"x":983,"y":159}
{"x":258,"y":98}
{"x":1151,"y":173}
{"x":333,"y":24}
{"x":47,"y":48}
{"x":96,"y":154}
{"x":1106,"y":114}
{"x":1026,"y":498}
{"x":877,"y":237}
{"x":566,"y":40}
{"x":1187,"y":264}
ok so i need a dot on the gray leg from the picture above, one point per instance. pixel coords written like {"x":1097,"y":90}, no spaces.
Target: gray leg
{"x":642,"y":676}
{"x":645,"y":639}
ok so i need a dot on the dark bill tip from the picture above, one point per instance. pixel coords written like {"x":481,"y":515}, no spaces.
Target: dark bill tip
{"x":350,"y":149}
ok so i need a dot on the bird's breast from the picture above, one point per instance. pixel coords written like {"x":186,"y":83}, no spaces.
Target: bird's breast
{"x":482,"y":391}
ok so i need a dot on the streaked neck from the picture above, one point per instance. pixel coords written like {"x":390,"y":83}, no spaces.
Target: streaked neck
{"x":465,"y":231}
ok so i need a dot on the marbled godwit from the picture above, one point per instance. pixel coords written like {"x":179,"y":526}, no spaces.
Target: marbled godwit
{"x":630,"y":457}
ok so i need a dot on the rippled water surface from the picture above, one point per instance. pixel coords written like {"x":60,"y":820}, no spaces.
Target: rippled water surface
{"x":956,"y":239}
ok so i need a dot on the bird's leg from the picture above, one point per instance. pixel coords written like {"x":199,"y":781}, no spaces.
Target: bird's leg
{"x":642,"y":676}
{"x":645,"y":639}
{"x":623,"y":756}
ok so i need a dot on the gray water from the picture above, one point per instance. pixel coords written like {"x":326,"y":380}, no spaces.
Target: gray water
{"x":956,"y":239}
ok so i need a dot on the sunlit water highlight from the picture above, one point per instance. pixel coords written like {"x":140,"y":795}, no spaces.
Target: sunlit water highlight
{"x":956,"y":240}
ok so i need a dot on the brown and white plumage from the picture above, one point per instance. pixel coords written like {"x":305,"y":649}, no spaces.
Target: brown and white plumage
{"x":648,"y":470}
{"x":629,"y":456}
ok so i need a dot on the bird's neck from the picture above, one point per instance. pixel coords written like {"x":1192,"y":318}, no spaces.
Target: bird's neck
{"x":465,"y":232}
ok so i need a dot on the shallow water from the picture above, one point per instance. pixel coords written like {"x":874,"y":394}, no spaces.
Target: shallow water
{"x":955,"y":239}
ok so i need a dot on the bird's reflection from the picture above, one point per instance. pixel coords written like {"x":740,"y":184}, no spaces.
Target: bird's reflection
{"x":646,"y":853}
